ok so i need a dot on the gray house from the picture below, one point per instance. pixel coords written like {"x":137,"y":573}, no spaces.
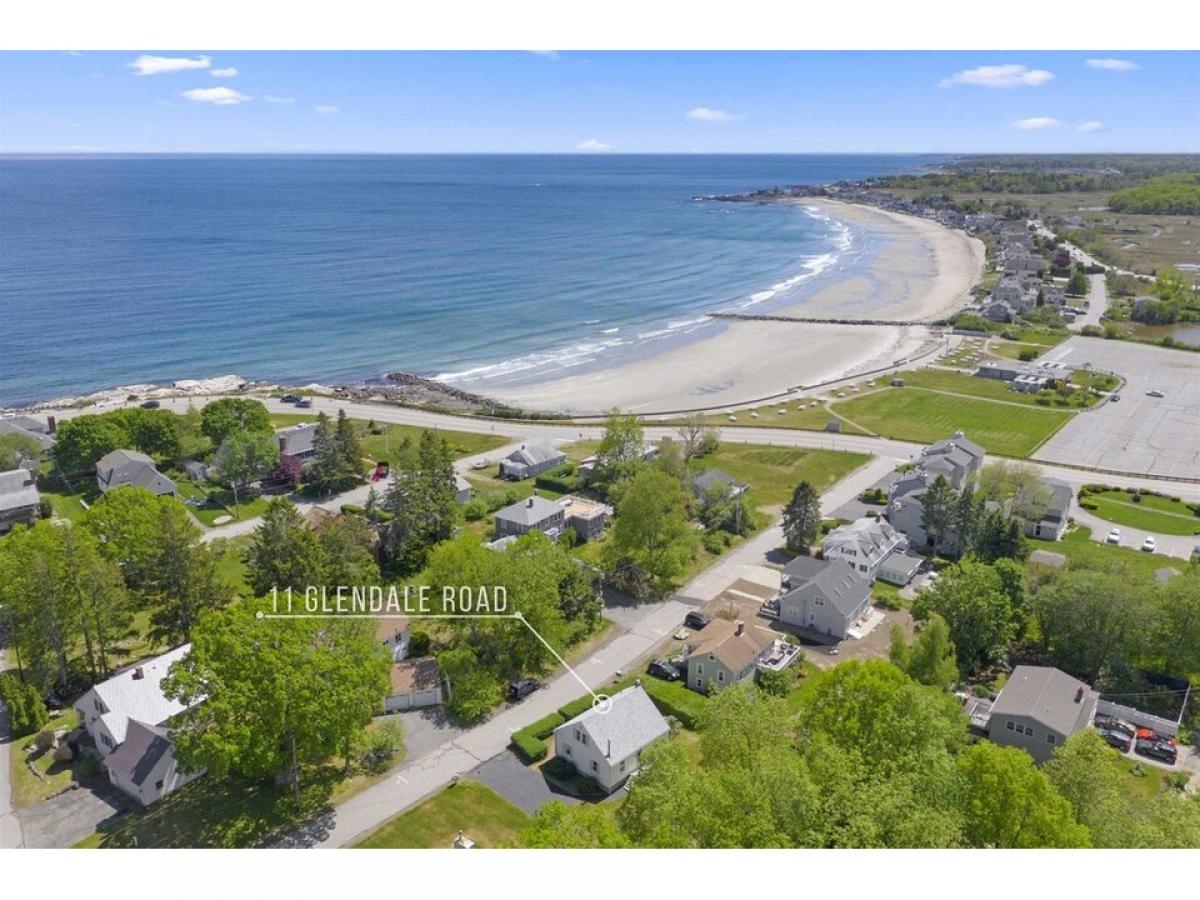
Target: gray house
{"x":1053,"y":523}
{"x":587,"y":518}
{"x":702,"y":483}
{"x":38,"y":430}
{"x":725,"y":653}
{"x":531,"y":514}
{"x":20,"y":502}
{"x":531,"y":459}
{"x":864,"y":544}
{"x":462,"y":489}
{"x":605,"y":744}
{"x":823,"y":596}
{"x":129,"y":467}
{"x":297,"y":440}
{"x":1038,"y":709}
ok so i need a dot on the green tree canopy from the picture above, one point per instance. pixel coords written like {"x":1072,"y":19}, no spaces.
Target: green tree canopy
{"x":930,"y":658}
{"x":652,"y":528}
{"x":245,"y":455}
{"x":802,"y":518}
{"x":227,"y":415}
{"x":971,"y":597}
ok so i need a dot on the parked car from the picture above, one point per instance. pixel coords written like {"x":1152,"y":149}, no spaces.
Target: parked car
{"x":1117,"y":739}
{"x":660,"y":668}
{"x":1148,"y":544}
{"x":519,"y":690}
{"x":1112,"y":723}
{"x":1154,"y":393}
{"x":290,"y":398}
{"x":1114,"y":536}
{"x":151,"y":404}
{"x":1161,"y":750}
{"x":1114,"y":397}
{"x":696,"y":620}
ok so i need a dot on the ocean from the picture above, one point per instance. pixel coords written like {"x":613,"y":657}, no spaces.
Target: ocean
{"x":119,"y":270}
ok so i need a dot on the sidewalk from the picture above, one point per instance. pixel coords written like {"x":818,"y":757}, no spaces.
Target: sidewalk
{"x":10,"y":826}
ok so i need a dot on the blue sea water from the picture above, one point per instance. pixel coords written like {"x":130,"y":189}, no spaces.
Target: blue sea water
{"x":116,"y":270}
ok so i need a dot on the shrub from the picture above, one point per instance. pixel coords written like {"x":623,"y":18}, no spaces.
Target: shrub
{"x":575,"y":707}
{"x":1027,"y":354}
{"x":27,"y":712}
{"x":353,"y":509}
{"x":475,"y":510}
{"x":419,"y":643}
{"x":713,"y":542}
{"x":44,"y":740}
{"x":674,"y":698}
{"x":544,"y":727}
{"x":528,"y":748}
{"x":379,"y":746}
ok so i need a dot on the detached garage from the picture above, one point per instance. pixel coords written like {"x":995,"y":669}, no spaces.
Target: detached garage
{"x":415,"y":683}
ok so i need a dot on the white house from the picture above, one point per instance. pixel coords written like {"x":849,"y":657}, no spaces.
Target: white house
{"x":131,"y":706}
{"x":605,"y":744}
{"x":864,"y":544}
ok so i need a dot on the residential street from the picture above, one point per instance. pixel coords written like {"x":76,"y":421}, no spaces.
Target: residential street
{"x":1097,"y":304}
{"x":10,"y":825}
{"x":654,"y":622}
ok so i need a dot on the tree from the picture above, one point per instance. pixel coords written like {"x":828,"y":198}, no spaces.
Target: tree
{"x":186,"y":580}
{"x":346,"y":557}
{"x":81,"y":441}
{"x":245,"y":456}
{"x":130,"y":524}
{"x":27,"y":711}
{"x":228,"y":415}
{"x":968,"y":517}
{"x":332,"y":469}
{"x":422,"y":502}
{"x":556,"y":826}
{"x":289,"y":470}
{"x":938,"y":511}
{"x":722,"y":507}
{"x":652,"y":528}
{"x":930,"y":658}
{"x":347,"y":443}
{"x":278,"y":693}
{"x":619,"y":455}
{"x":1010,"y":803}
{"x":379,"y":746}
{"x":802,"y":518}
{"x":193,"y":442}
{"x":999,"y":537}
{"x":283,"y":552}
{"x":1077,"y":284}
{"x":1017,"y":487}
{"x":473,"y":690}
{"x":971,"y":597}
{"x":1176,"y":625}
{"x":697,"y":437}
{"x":95,"y":587}
{"x":18,"y":448}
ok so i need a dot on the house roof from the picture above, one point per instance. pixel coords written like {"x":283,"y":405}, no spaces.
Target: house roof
{"x":834,"y":580}
{"x":535,"y":452}
{"x":629,"y":723}
{"x":709,"y":477}
{"x":18,"y":488}
{"x":299,"y":438}
{"x":129,"y":697}
{"x":957,"y":447}
{"x":1049,"y":696}
{"x":139,"y":753}
{"x":118,"y":458}
{"x":460,"y":483}
{"x":736,"y":651}
{"x":868,"y":534}
{"x":1060,"y":497}
{"x":13,"y":425}
{"x":530,"y":512}
{"x":416,"y":674}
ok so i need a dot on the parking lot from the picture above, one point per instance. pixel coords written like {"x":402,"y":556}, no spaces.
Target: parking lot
{"x":1139,"y":434}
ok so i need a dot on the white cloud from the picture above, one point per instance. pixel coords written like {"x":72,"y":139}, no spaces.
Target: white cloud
{"x":547,"y":54}
{"x":1113,"y":65}
{"x":229,"y":72}
{"x":1036,"y":123}
{"x":1005,"y":76}
{"x":218,"y":96}
{"x":1094,"y":125}
{"x":323,"y":110}
{"x":592,"y":145}
{"x":704,"y":114}
{"x":271,"y":98}
{"x":161,"y":65}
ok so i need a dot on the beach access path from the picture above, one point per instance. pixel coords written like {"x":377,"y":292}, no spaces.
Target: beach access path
{"x":418,"y":779}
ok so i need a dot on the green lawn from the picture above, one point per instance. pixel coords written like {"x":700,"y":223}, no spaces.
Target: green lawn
{"x":1012,"y":349}
{"x":391,"y":436}
{"x":806,"y":415}
{"x":774,"y":472}
{"x":1101,"y":381}
{"x":27,"y":788}
{"x":487,"y":818}
{"x":924,"y":416}
{"x":1152,"y":513}
{"x":989,"y":388}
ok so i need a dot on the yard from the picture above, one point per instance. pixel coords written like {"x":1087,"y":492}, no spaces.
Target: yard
{"x":988,"y":388}
{"x":380,"y":441}
{"x":53,"y":776}
{"x":925,"y":416}
{"x":1159,"y":514}
{"x":486,"y":817}
{"x":1083,"y":552}
{"x":774,"y":472}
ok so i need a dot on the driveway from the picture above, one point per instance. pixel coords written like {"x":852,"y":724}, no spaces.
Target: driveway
{"x":520,"y":785}
{"x":70,"y":817}
{"x":1176,"y":545}
{"x":1097,"y":304}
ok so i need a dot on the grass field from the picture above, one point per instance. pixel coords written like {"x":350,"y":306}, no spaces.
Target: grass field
{"x":774,"y":472}
{"x":806,"y":415}
{"x":391,"y":436}
{"x":1012,"y":349}
{"x":989,"y":389}
{"x":925,"y":416}
{"x":487,"y":818}
{"x":1084,"y":553}
{"x":1158,"y":514}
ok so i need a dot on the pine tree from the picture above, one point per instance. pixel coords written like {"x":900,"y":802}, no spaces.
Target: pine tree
{"x":937,"y":511}
{"x":348,"y":446}
{"x":802,"y":518}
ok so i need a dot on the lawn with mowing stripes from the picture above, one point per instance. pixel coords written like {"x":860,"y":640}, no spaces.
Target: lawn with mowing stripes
{"x":992,"y":389}
{"x":924,"y":416}
{"x":1156,"y":514}
{"x":489,"y":820}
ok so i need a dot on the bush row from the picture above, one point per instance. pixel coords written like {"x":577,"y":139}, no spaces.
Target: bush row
{"x":531,"y":741}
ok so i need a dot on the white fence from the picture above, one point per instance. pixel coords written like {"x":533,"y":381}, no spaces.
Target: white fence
{"x":1137,"y":717}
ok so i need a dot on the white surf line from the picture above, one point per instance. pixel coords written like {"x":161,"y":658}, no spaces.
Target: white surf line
{"x":599,"y":701}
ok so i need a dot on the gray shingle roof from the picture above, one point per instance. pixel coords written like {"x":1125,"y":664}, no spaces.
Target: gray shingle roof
{"x":18,"y":488}
{"x":14,"y":425}
{"x":136,"y":758}
{"x":536,"y":452}
{"x":1049,"y":696}
{"x":631,"y":722}
{"x":298,"y":438}
{"x":118,"y":458}
{"x":834,"y":580}
{"x":709,"y":477}
{"x":530,"y":511}
{"x":868,"y":534}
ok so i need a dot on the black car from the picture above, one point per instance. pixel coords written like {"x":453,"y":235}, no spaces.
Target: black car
{"x":1163,"y":750}
{"x":519,"y":690}
{"x":151,"y":404}
{"x":1112,"y":723}
{"x":1115,"y":738}
{"x":660,"y":668}
{"x":303,"y":403}
{"x":289,"y":398}
{"x":696,"y":620}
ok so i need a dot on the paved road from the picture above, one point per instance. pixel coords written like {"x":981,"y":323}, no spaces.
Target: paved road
{"x":1097,"y":304}
{"x":10,"y":826}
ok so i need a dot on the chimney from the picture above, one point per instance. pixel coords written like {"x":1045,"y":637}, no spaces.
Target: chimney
{"x":608,"y":753}
{"x":529,"y":502}
{"x":139,"y":673}
{"x":739,"y":627}
{"x":51,"y":425}
{"x":1079,"y":694}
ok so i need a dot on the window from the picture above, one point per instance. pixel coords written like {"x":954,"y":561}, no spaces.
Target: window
{"x":1009,"y":725}
{"x":699,"y":668}
{"x":622,"y":765}
{"x":862,"y":568}
{"x":595,"y":766}
{"x":1028,"y":731}
{"x":1050,"y":739}
{"x":720,"y":676}
{"x":158,"y":785}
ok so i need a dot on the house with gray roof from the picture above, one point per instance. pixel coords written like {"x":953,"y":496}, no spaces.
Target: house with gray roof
{"x":144,"y":766}
{"x":710,"y":478}
{"x":864,"y":544}
{"x":723,"y":653}
{"x":531,"y":459}
{"x":1053,"y":523}
{"x":605,"y":744}
{"x":825,"y":597}
{"x":37,"y":430}
{"x":297,"y":440}
{"x":20,"y":502}
{"x":462,"y":489}
{"x":134,"y":469}
{"x":1039,"y":708}
{"x":531,"y":514}
{"x":956,"y":459}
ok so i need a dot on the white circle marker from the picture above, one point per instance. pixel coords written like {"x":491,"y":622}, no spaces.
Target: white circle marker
{"x":602,"y":703}
{"x":259,"y":614}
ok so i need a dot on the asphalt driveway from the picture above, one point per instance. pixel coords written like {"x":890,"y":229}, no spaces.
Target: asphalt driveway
{"x":520,"y":785}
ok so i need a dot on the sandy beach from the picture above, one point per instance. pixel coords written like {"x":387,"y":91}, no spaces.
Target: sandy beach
{"x":923,"y":272}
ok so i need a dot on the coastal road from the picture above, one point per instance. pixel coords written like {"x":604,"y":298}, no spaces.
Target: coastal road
{"x":653,"y":624}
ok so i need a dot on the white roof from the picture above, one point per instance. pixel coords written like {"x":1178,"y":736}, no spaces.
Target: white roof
{"x":868,"y":534}
{"x":127,"y":697}
{"x":631,"y":722}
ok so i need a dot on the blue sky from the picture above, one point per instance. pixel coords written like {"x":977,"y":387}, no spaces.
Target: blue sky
{"x":275,"y":102}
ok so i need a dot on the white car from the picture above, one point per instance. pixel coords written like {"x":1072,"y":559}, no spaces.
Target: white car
{"x":1154,"y":393}
{"x":1114,"y":536}
{"x":1148,"y":544}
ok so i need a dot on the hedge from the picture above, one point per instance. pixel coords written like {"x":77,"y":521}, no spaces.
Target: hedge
{"x":559,"y":485}
{"x":529,"y":748}
{"x":544,"y":727}
{"x":674,"y":698}
{"x":576,"y":707}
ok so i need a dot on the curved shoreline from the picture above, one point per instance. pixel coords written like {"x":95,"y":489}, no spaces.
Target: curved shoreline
{"x":924,"y":272}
